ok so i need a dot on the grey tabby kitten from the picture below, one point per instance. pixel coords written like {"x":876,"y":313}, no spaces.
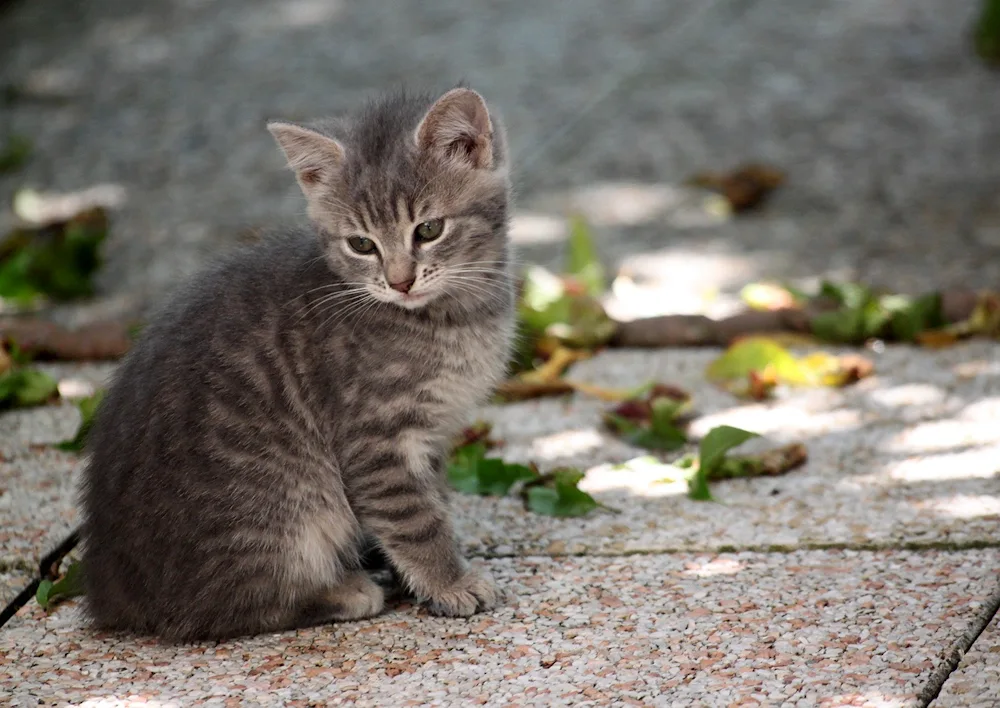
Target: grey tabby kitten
{"x":296,"y":401}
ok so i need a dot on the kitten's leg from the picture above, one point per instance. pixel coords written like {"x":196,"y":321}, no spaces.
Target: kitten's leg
{"x":406,"y":512}
{"x":357,"y":597}
{"x":372,"y":557}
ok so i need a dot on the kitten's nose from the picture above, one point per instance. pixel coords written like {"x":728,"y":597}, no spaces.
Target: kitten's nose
{"x":403,"y":286}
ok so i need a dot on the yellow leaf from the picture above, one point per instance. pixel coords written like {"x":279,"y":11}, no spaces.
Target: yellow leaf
{"x":785,"y":339}
{"x":753,"y":367}
{"x":753,"y":354}
{"x":560,"y":360}
{"x":937,"y":338}
{"x":767,"y":296}
{"x":611,"y":395}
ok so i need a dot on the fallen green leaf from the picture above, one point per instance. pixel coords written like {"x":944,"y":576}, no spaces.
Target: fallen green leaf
{"x":649,"y":418}
{"x":15,"y":152}
{"x":983,"y":321}
{"x":986,"y":34}
{"x":23,"y":387}
{"x":752,"y":367}
{"x":717,"y":442}
{"x":524,"y":355}
{"x":549,"y":308}
{"x":909,"y":317}
{"x":666,"y":438}
{"x":19,"y":357}
{"x":543,"y":299}
{"x":43,"y":592}
{"x":770,"y":463}
{"x":557,"y":494}
{"x":57,"y":261}
{"x":496,"y":477}
{"x":463,"y":468}
{"x":69,"y":585}
{"x":711,"y":452}
{"x":471,"y":472}
{"x":753,"y":354}
{"x":862,"y":315}
{"x":88,"y":408}
{"x":582,"y":261}
{"x":846,"y":294}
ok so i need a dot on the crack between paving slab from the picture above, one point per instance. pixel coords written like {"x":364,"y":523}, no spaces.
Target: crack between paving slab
{"x":912,"y":546}
{"x":943,"y":672}
{"x":48,"y":569}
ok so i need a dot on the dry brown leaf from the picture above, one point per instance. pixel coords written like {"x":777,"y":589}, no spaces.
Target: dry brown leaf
{"x":47,"y":340}
{"x":518,"y":390}
{"x":6,"y":362}
{"x":937,"y":338}
{"x":770,"y":463}
{"x":780,"y":460}
{"x":478,"y":432}
{"x":745,"y":187}
{"x":761,"y":384}
{"x":853,"y":368}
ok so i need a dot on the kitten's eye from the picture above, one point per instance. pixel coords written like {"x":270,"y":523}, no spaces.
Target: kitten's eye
{"x":361,"y":244}
{"x":428,"y":231}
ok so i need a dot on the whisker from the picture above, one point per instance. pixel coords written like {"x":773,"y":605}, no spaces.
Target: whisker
{"x":328,"y":299}
{"x":342,"y":313}
{"x":347,"y":284}
{"x":477,"y":287}
{"x":361,"y":315}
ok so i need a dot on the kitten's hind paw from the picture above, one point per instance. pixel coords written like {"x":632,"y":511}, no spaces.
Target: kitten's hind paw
{"x":357,"y":597}
{"x":474,"y":592}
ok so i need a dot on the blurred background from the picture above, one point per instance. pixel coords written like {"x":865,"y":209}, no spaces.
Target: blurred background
{"x":879,"y":115}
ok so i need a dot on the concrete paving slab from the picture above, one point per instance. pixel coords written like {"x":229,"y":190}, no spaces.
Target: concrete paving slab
{"x":13,"y":581}
{"x":877,"y":112}
{"x":911,"y":456}
{"x":816,"y":628}
{"x":875,"y":109}
{"x":37,"y":481}
{"x":976,"y":682}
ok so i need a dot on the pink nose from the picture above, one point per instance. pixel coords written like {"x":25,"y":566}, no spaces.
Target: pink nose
{"x":403,"y":286}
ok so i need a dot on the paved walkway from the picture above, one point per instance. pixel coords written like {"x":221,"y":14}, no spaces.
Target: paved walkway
{"x":863,"y":578}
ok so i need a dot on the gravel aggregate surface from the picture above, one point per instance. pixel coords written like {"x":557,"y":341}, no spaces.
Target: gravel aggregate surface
{"x":876,"y":110}
{"x":976,"y":682}
{"x":911,"y":456}
{"x":13,"y":580}
{"x":809,"y":628}
{"x":880,"y":116}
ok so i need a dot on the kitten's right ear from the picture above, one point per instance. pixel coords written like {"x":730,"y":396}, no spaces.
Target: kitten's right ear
{"x":313,"y":156}
{"x":458,"y":126}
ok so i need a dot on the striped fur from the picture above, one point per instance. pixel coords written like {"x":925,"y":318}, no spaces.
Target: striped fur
{"x":287,"y":406}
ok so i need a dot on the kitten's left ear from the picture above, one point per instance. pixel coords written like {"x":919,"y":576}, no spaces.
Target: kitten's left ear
{"x":458,"y":126}
{"x":313,"y":156}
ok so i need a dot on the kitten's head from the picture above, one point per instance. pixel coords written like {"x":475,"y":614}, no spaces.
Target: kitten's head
{"x":410,"y":196}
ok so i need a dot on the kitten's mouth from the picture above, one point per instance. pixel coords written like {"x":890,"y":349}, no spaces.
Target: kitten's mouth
{"x":412,"y":300}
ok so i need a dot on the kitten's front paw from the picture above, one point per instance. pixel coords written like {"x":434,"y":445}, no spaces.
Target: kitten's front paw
{"x":474,"y":592}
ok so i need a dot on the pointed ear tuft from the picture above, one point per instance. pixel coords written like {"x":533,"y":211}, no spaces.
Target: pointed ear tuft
{"x":458,"y":127}
{"x":313,"y":156}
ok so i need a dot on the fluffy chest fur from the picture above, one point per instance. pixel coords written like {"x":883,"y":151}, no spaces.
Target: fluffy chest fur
{"x":428,"y":381}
